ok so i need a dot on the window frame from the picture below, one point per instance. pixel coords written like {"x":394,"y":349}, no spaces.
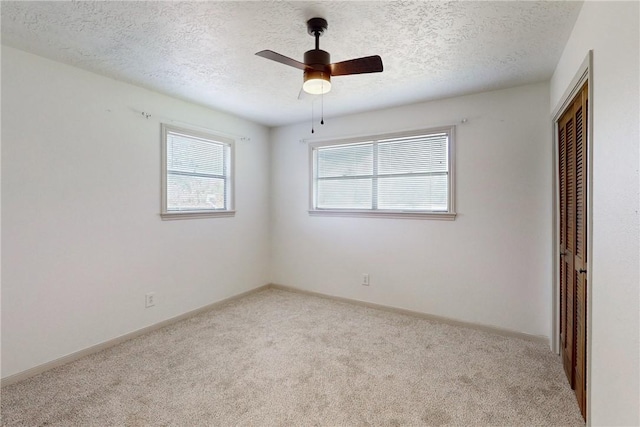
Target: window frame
{"x":450,"y":214}
{"x":167,"y":214}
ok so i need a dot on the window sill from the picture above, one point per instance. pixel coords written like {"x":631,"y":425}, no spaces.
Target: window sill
{"x":195,"y":214}
{"x":446,"y":216}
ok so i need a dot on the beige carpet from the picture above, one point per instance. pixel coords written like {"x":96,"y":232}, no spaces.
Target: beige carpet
{"x":284,"y":358}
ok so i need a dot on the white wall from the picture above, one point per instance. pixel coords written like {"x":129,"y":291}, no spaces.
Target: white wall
{"x":489,"y":266}
{"x":611,"y":29}
{"x":82,"y":240}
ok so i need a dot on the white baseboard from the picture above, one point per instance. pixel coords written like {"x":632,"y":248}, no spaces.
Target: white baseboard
{"x":477,"y":326}
{"x":23,"y":375}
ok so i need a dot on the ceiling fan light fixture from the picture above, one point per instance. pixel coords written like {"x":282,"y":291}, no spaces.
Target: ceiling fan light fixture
{"x":316,"y":82}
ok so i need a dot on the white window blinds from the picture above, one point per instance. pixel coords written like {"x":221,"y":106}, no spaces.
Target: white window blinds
{"x":409,"y":173}
{"x":345,"y":177}
{"x":196,"y":172}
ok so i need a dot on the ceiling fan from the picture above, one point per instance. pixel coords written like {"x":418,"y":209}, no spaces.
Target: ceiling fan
{"x":317,"y":67}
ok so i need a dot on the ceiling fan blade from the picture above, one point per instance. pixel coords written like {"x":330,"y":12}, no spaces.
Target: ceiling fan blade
{"x":274,"y":56}
{"x":368,"y":64}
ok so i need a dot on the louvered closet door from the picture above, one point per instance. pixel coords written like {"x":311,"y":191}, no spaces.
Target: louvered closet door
{"x":580,"y":258}
{"x":565,"y":327}
{"x":572,"y":160}
{"x":567,"y":240}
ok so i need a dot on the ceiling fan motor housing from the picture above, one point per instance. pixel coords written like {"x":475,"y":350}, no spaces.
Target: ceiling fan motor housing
{"x":317,"y":59}
{"x":317,"y":75}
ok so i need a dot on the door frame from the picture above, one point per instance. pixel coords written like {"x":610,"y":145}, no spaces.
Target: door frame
{"x":584,"y":74}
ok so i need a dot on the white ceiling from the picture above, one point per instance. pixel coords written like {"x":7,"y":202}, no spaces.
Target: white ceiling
{"x":203,"y":52}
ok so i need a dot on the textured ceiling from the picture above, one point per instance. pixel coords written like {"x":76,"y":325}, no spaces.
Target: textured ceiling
{"x":203,"y":52}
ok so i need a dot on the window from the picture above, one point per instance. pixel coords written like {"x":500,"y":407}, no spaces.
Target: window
{"x":196,"y":175}
{"x":400,"y":175}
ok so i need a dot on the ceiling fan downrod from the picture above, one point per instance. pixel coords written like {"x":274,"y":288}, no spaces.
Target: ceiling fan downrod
{"x":316,"y":27}
{"x":317,"y":59}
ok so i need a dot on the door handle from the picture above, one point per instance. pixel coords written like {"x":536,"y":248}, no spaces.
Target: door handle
{"x":582,"y":270}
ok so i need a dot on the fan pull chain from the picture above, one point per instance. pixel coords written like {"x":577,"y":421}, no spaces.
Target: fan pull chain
{"x":322,"y":107}
{"x":312,"y":131}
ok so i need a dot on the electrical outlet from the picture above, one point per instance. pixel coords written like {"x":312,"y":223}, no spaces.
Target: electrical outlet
{"x":150,"y":299}
{"x":365,"y":279}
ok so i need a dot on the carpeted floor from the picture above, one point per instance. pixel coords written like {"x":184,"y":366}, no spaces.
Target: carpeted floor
{"x":284,"y":358}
